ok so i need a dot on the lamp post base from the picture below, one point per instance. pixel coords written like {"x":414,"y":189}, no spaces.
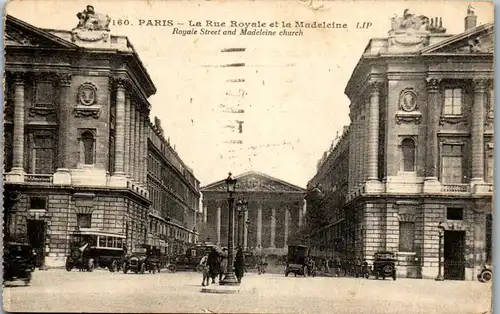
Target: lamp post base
{"x":439,"y":278}
{"x":229,"y":280}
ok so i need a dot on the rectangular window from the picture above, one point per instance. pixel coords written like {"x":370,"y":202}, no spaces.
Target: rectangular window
{"x":38,"y":202}
{"x":406,"y":236}
{"x":452,"y":158}
{"x":453,"y":102}
{"x":43,"y":150}
{"x":44,"y":94}
{"x":454,"y":213}
{"x":84,"y":220}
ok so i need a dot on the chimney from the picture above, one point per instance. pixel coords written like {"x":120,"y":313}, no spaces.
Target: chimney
{"x":470,"y":19}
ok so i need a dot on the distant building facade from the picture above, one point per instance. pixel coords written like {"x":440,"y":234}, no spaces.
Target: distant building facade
{"x":421,"y":148}
{"x":76,"y":140}
{"x":274,"y":212}
{"x":175,"y":195}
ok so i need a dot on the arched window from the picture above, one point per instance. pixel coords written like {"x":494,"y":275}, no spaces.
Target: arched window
{"x":88,"y":147}
{"x":408,"y":152}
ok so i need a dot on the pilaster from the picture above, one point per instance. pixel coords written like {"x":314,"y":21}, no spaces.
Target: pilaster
{"x":477,"y":132}
{"x":62,"y":176}
{"x":373,"y":142}
{"x":17,"y":172}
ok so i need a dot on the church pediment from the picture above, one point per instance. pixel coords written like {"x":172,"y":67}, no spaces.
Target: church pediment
{"x":19,"y":33}
{"x":478,"y":40}
{"x":255,"y":182}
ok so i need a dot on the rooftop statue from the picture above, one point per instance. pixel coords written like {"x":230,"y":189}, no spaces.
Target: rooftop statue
{"x":91,"y":21}
{"x":409,"y":22}
{"x":92,"y":26}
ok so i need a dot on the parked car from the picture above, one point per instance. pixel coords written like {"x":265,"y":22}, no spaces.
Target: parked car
{"x":91,"y":249}
{"x":384,"y":265}
{"x":190,"y":260}
{"x":19,"y":262}
{"x":141,"y":261}
{"x":297,"y":260}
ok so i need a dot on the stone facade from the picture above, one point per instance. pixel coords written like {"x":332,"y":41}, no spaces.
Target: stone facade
{"x":274,"y":213}
{"x":76,"y":140}
{"x":420,"y":149}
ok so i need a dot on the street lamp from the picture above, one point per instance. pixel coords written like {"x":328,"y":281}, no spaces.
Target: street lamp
{"x":441,"y":232}
{"x":241,"y":208}
{"x":229,"y":278}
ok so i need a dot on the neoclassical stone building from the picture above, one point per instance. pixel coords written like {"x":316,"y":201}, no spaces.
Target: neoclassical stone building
{"x":76,"y":139}
{"x":275,"y":212}
{"x":421,"y":147}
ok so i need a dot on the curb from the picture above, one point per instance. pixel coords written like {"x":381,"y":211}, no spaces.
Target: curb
{"x":220,"y":291}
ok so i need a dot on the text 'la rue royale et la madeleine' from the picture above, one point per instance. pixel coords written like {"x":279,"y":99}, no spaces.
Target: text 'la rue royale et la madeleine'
{"x":232,"y":27}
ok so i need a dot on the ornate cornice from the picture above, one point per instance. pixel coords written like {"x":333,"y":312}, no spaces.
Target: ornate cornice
{"x":87,"y":112}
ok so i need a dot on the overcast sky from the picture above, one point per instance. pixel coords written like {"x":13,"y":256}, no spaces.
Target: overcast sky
{"x":294,"y":86}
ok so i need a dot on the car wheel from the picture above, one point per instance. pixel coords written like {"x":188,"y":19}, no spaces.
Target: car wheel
{"x":486,"y":275}
{"x":172,"y":268}
{"x":69,"y":266}
{"x":91,"y":265}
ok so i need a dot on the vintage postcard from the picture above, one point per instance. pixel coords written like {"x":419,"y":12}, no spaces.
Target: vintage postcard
{"x":248,"y":156}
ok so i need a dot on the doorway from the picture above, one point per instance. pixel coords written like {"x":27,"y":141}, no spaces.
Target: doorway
{"x":36,"y":236}
{"x":454,"y":255}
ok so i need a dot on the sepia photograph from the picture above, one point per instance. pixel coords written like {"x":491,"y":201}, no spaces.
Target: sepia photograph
{"x":195,"y":156}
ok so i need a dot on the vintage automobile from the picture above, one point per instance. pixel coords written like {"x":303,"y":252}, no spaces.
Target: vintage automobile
{"x":91,"y":249}
{"x":140,"y":261}
{"x":19,"y":262}
{"x":190,"y":260}
{"x":384,"y":265}
{"x":296,"y":262}
{"x":485,"y":273}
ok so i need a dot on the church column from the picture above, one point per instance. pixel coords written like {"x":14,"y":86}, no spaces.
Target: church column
{"x":432,"y":129}
{"x":245,"y":231}
{"x":259,"y":225}
{"x":120,"y":127}
{"x":477,"y":131}
{"x":64,"y":107}
{"x":217,"y":223}
{"x":301,"y":217}
{"x":18,"y":141}
{"x":273,"y":227}
{"x":287,"y":218}
{"x":132,"y":159}
{"x":137,"y":137}
{"x":127,"y":136}
{"x":374,"y":132}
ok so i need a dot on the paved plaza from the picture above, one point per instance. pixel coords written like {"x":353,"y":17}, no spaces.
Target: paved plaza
{"x":101,"y":291}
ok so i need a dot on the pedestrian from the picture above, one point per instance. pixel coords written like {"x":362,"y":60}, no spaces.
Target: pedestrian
{"x":358,"y":267}
{"x":239,"y":265}
{"x":205,"y":269}
{"x":213,"y":264}
{"x":222,"y":263}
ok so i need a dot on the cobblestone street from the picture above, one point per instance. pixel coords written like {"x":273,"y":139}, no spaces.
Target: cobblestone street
{"x":101,"y":291}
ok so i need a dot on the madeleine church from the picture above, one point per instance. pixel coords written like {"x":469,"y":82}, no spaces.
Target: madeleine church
{"x":274,"y":212}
